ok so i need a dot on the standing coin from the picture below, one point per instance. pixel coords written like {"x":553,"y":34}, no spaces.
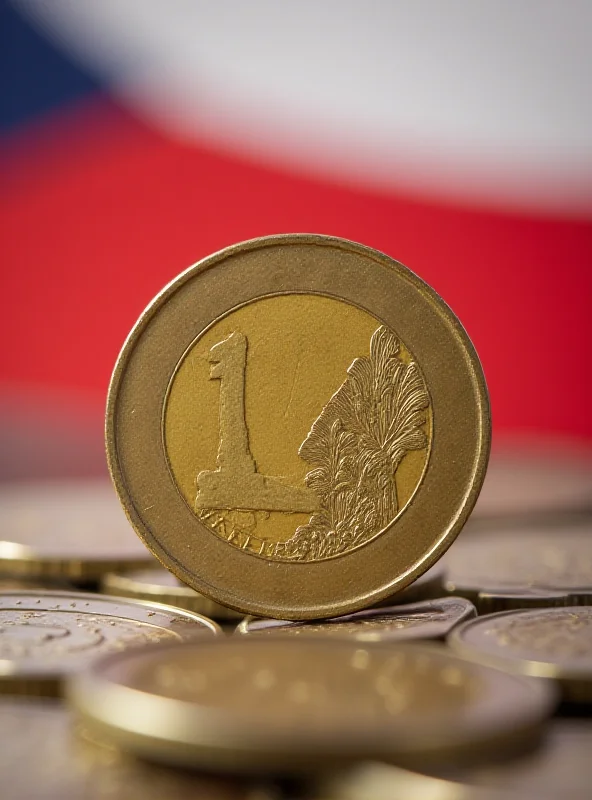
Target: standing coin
{"x":428,"y":620}
{"x":298,"y":427}
{"x":552,"y":643}
{"x":161,"y":586}
{"x":45,"y":636}
{"x":65,"y":529}
{"x":283,"y":704}
{"x":522,"y":568}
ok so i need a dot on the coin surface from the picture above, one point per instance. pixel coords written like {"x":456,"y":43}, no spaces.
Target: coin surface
{"x":298,"y":427}
{"x":65,"y":529}
{"x":522,"y":568}
{"x":45,"y":636}
{"x":429,"y":586}
{"x":245,"y":703}
{"x":432,"y":619}
{"x":552,"y":643}
{"x":44,"y":756}
{"x":161,"y":586}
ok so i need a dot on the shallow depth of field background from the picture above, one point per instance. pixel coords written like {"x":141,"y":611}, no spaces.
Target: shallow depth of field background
{"x":139,"y":136}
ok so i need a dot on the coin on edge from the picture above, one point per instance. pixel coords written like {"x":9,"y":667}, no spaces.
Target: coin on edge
{"x":66,"y":529}
{"x":522,"y":568}
{"x":551,"y":643}
{"x":43,"y":755}
{"x":432,"y":619}
{"x":429,"y":586}
{"x":298,"y":427}
{"x":281,"y":704}
{"x":45,"y":635}
{"x":161,"y":586}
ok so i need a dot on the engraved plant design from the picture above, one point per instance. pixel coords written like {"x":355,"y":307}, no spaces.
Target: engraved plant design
{"x":355,"y":447}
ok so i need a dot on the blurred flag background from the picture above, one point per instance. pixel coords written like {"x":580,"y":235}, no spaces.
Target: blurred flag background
{"x":140,"y":135}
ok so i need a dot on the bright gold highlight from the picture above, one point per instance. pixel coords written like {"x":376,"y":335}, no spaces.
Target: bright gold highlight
{"x":257,"y":387}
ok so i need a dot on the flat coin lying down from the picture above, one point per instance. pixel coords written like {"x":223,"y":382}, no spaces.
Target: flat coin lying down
{"x":298,"y":427}
{"x":66,"y":529}
{"x":429,"y":586}
{"x":432,"y":619}
{"x":161,"y":586}
{"x":272,"y":704}
{"x":551,"y":643}
{"x":45,"y":635}
{"x":522,"y":568}
{"x":43,"y":756}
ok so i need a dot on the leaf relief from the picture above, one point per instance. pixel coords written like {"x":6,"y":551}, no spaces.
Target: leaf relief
{"x":354,"y":449}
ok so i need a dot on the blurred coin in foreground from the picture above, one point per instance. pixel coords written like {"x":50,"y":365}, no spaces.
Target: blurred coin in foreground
{"x":535,"y":482}
{"x":560,"y":768}
{"x":66,"y":529}
{"x":551,"y":643}
{"x":432,"y":619}
{"x":298,"y":427}
{"x":161,"y":586}
{"x":45,"y":636}
{"x":375,"y":781}
{"x":44,"y":756}
{"x":523,"y":567}
{"x":263,"y":704}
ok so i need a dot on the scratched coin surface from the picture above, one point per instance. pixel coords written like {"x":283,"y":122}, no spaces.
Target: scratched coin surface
{"x":161,"y":586}
{"x":244,"y":702}
{"x":523,"y":567}
{"x":432,"y":619}
{"x":44,"y":755}
{"x":299,"y":407}
{"x":66,"y":529}
{"x":552,"y":643}
{"x":45,"y":635}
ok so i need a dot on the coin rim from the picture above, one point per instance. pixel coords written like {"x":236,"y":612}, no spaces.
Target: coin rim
{"x":576,"y":684}
{"x":229,"y":592}
{"x":124,"y":584}
{"x":194,"y":735}
{"x":51,"y":684}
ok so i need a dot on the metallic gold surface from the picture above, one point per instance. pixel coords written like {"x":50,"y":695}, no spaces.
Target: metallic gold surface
{"x":522,"y":568}
{"x":44,"y":756}
{"x":45,"y":635}
{"x":429,"y":586}
{"x":65,"y":529}
{"x":428,"y":620}
{"x":282,"y":704}
{"x":551,"y":643}
{"x":298,"y":427}
{"x":161,"y":586}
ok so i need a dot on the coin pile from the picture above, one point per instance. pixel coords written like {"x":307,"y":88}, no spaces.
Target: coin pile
{"x":298,"y":429}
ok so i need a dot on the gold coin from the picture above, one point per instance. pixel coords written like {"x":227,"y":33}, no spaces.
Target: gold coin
{"x":551,"y":643}
{"x":429,"y":586}
{"x":65,"y":529}
{"x":283,"y":704}
{"x":428,"y":620}
{"x":43,"y":756}
{"x":522,"y":568}
{"x":161,"y":586}
{"x":298,"y":427}
{"x":45,"y":636}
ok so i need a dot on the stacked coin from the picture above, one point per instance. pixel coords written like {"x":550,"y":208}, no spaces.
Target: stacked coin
{"x":298,"y":429}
